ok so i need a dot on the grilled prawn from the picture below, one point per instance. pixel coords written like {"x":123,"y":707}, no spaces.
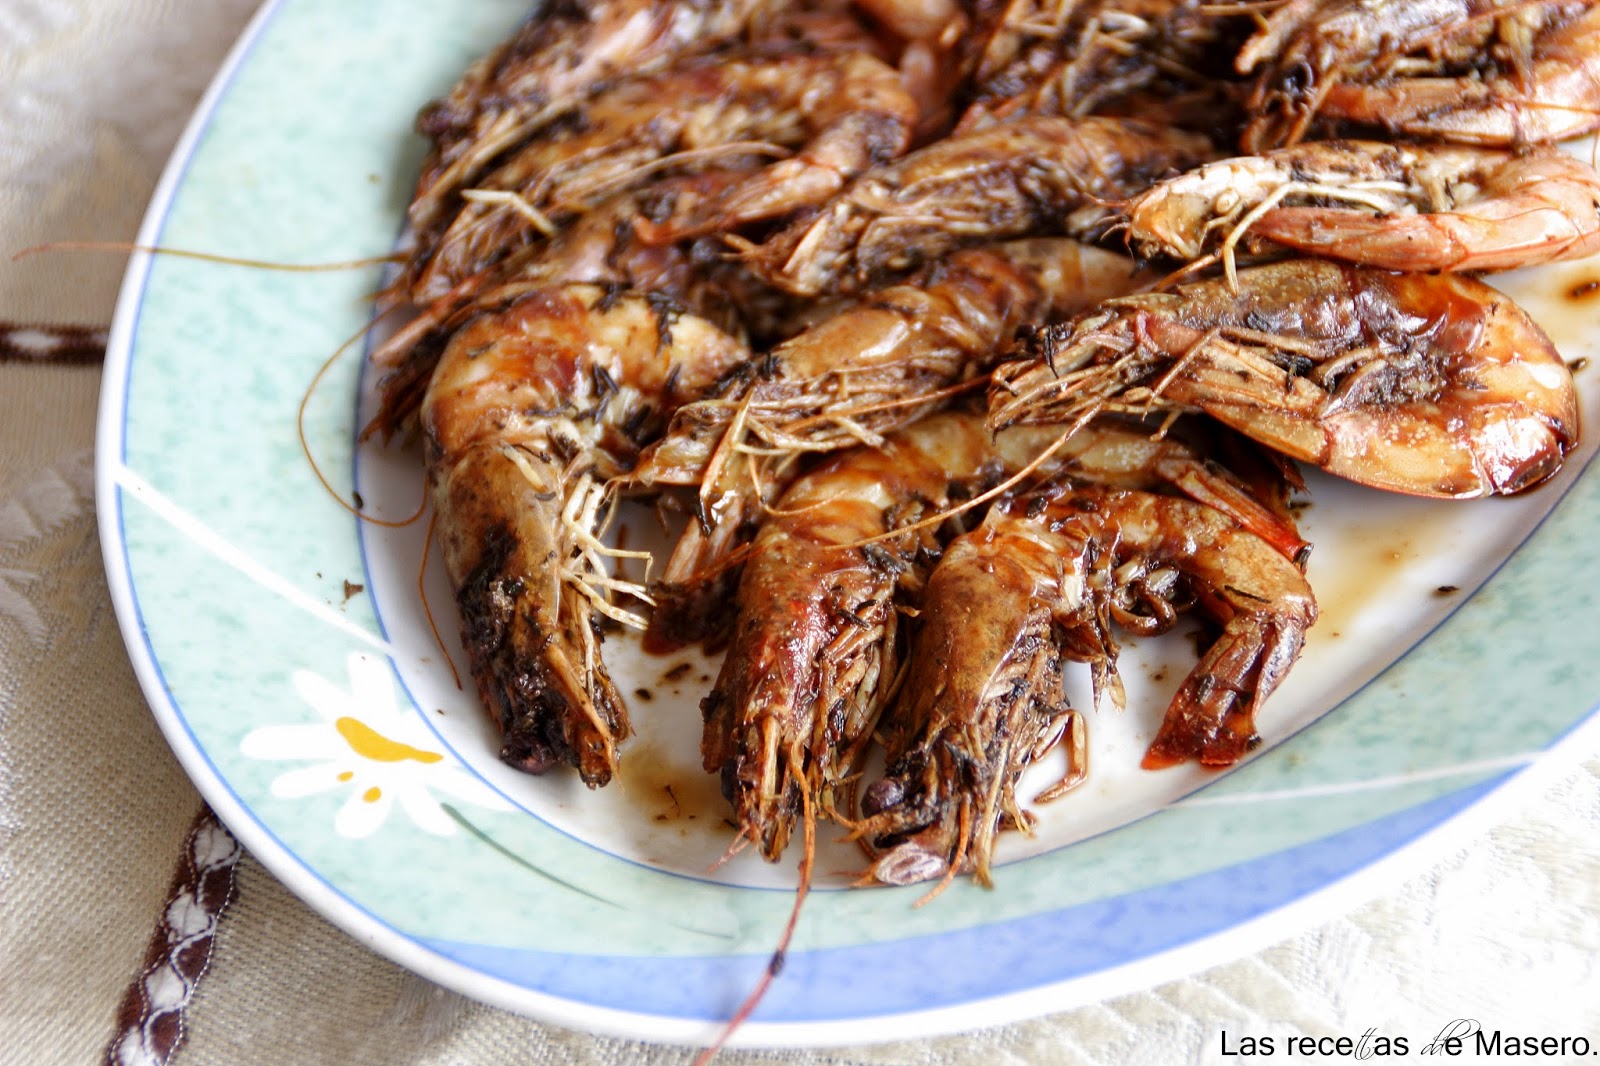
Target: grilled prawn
{"x":1040,"y":581}
{"x":597,"y":248}
{"x":1548,"y":89}
{"x":1485,"y":72}
{"x":1017,"y":178}
{"x":529,"y":405}
{"x":847,"y":110}
{"x":1401,"y":207}
{"x":815,"y":647}
{"x":1432,"y":385}
{"x":555,"y":59}
{"x":1087,"y":58}
{"x":850,"y":379}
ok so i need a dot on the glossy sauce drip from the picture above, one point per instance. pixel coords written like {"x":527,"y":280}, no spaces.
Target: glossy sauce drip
{"x":1584,"y":290}
{"x":1371,"y":558}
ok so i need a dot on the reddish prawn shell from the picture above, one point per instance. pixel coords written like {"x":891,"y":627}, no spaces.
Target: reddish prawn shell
{"x":1007,"y":602}
{"x":1555,"y":96}
{"x":1400,"y":207}
{"x":1425,"y":384}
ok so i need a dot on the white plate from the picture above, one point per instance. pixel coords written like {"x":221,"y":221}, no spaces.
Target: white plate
{"x":324,"y":726}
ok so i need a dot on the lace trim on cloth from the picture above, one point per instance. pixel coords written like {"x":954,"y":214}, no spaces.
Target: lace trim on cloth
{"x":150,"y":1021}
{"x":52,"y":344}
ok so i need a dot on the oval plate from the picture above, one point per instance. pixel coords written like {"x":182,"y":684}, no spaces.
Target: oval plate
{"x":284,"y":651}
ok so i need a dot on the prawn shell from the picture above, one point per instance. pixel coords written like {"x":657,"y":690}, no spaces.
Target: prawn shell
{"x":1396,"y":207}
{"x":526,"y":403}
{"x":1426,"y":384}
{"x":814,"y":647}
{"x":1501,"y":418}
{"x":1556,"y":98}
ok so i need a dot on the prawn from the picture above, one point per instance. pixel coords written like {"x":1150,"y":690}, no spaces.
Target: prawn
{"x":555,"y":59}
{"x":849,"y":379}
{"x":848,"y":111}
{"x":814,"y":650}
{"x":1008,"y":180}
{"x":1400,"y":207}
{"x":1389,"y":63}
{"x":531,"y":407}
{"x":1428,"y":384}
{"x":599,"y":248}
{"x":1103,"y":54}
{"x":1039,"y":581}
{"x":983,"y":700}
{"x":818,"y":640}
{"x":1552,"y":96}
{"x":1307,"y":47}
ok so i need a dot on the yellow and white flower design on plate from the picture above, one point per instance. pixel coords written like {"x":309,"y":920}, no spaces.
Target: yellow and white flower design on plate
{"x":368,"y":746}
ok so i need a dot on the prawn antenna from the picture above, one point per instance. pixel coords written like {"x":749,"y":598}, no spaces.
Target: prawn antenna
{"x":356,"y":508}
{"x":831,"y":415}
{"x":634,"y":175}
{"x":207,"y":257}
{"x":780,"y":953}
{"x":422,"y":597}
{"x":982,"y":498}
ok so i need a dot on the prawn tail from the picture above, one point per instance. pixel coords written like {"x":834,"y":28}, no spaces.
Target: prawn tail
{"x":1212,"y":717}
{"x":1212,"y":487}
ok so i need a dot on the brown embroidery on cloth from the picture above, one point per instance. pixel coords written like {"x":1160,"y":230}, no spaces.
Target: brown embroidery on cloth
{"x":150,"y":1021}
{"x":78,"y":345}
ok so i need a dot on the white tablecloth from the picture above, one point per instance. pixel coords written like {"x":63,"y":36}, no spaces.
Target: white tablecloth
{"x":1501,"y":925}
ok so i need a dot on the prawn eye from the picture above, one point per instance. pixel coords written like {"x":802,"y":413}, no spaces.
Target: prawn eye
{"x":882,"y":795}
{"x":1298,"y":80}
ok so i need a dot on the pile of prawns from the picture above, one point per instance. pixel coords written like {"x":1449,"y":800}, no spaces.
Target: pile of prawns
{"x":850,"y":285}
